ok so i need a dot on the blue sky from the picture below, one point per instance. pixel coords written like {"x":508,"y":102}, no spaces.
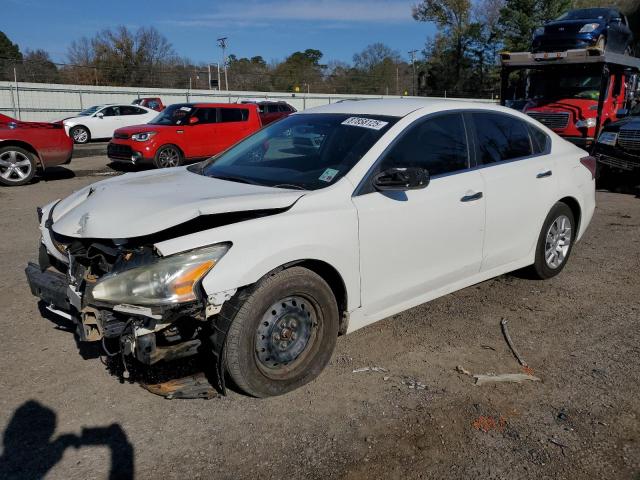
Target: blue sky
{"x":272,"y":29}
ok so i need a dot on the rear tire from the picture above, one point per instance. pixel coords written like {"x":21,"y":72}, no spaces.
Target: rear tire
{"x":282,"y":334}
{"x":80,"y":135}
{"x":17,"y":166}
{"x":168,"y":156}
{"x":555,"y":242}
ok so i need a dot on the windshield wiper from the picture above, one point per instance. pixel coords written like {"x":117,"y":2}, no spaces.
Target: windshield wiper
{"x":234,"y":179}
{"x":289,"y":185}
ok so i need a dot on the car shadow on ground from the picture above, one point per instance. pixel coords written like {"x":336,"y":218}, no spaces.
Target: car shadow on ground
{"x":128,"y":167}
{"x":55,"y":173}
{"x":30,"y":449}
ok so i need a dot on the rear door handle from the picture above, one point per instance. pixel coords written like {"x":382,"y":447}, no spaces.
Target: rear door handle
{"x":547,"y":173}
{"x":471,"y":197}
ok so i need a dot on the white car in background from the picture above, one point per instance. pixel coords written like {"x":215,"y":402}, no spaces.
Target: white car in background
{"x":100,"y":121}
{"x":263,"y":255}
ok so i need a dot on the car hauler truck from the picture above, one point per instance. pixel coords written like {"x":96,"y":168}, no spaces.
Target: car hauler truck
{"x":574,"y":92}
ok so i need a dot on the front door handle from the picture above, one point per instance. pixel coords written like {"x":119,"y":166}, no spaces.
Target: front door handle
{"x":547,"y":173}
{"x":471,"y":197}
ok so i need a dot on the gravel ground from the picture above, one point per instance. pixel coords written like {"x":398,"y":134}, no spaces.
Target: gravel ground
{"x":64,"y":416}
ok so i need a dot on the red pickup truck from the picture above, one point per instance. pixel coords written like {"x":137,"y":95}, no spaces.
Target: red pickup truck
{"x":29,"y":147}
{"x":184,"y":132}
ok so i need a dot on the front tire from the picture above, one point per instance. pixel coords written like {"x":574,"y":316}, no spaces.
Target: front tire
{"x":168,"y":156}
{"x":17,"y":166}
{"x":80,"y":135}
{"x":555,"y":242}
{"x":282,"y":334}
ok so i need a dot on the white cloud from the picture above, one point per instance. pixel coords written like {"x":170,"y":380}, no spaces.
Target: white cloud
{"x":245,"y":14}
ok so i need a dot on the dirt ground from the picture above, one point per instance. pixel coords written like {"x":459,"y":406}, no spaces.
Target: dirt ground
{"x":64,"y":416}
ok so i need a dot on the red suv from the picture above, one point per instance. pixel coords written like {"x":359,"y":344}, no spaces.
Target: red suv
{"x":270,"y":111}
{"x":184,"y":132}
{"x":154,"y":103}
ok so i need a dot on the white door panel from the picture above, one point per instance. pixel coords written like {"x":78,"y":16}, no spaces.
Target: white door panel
{"x":519,"y":194}
{"x":415,"y":241}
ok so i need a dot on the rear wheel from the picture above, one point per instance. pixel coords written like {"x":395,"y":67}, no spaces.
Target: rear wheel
{"x":555,"y":242}
{"x":168,"y":156}
{"x":17,"y":166}
{"x":80,"y":134}
{"x":282,"y":334}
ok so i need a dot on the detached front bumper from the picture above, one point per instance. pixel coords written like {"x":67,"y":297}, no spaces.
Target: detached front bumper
{"x":172,"y":334}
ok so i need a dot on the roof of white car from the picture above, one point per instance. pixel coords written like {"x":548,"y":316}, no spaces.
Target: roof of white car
{"x":398,"y":107}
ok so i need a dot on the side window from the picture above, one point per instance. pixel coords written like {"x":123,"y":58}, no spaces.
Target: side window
{"x":501,"y":137}
{"x":272,"y":108}
{"x":438,"y":144}
{"x":540,"y":141}
{"x":130,"y":110}
{"x":233,"y":115}
{"x":284,"y":108}
{"x":111,"y":111}
{"x":205,"y":115}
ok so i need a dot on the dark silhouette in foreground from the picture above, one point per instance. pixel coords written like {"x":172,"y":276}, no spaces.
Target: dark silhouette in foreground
{"x":30,"y":451}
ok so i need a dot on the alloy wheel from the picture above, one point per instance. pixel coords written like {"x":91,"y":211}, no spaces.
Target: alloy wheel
{"x":80,"y":135}
{"x":14,"y":166}
{"x":168,"y":157}
{"x":558,"y":241}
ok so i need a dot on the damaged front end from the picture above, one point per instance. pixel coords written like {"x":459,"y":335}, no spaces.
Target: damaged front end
{"x":124,"y":294}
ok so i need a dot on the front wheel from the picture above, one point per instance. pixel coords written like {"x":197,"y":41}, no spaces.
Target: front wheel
{"x":168,"y":156}
{"x":17,"y":166}
{"x":555,"y":242}
{"x":282,"y":334}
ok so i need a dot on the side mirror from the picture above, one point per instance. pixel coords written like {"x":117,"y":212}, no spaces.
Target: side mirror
{"x":99,"y":114}
{"x":401,"y":179}
{"x":193,"y":120}
{"x":623,"y":112}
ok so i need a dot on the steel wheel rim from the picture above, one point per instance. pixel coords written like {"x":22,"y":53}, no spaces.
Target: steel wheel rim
{"x":14,"y":166}
{"x":169,"y":157}
{"x":557,"y":242}
{"x":285,"y":335}
{"x":80,"y":135}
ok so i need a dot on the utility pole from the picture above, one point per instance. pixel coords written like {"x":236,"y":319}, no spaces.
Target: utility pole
{"x":413,"y":65}
{"x":222,"y":43}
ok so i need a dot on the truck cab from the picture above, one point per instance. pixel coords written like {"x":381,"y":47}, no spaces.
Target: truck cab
{"x":574,"y":93}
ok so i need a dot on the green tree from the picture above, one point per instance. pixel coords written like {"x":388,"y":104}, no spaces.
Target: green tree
{"x":9,"y":56}
{"x":38,"y":67}
{"x":300,"y":69}
{"x":519,"y":19}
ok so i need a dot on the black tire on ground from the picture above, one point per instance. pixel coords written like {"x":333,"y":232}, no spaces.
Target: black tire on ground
{"x":604,"y":176}
{"x":80,"y":134}
{"x":168,"y":156}
{"x":543,"y":268}
{"x":258,"y":316}
{"x":17,"y":166}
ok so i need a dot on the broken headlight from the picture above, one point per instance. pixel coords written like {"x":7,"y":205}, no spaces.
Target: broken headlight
{"x":169,"y":280}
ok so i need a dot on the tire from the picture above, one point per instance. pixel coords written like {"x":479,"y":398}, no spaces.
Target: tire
{"x":168,"y":156}
{"x":283,"y":333}
{"x":80,"y":135}
{"x":17,"y":166}
{"x":559,"y":218}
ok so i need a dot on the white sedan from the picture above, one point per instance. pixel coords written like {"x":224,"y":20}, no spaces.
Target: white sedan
{"x":315,"y":226}
{"x":100,"y":121}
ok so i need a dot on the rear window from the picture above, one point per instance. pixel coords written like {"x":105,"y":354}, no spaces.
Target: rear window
{"x":233,"y":115}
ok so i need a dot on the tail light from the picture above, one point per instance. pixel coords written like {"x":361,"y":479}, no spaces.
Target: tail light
{"x":590,"y":163}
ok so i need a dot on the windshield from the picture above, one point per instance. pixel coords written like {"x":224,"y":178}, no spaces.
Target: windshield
{"x":308,"y":151}
{"x":90,"y":111}
{"x":585,"y":14}
{"x":174,"y":115}
{"x":564,"y":85}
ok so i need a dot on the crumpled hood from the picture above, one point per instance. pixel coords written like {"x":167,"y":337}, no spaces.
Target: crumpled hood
{"x":137,"y":204}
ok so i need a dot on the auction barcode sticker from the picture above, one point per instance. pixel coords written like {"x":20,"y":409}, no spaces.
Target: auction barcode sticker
{"x":365,"y":122}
